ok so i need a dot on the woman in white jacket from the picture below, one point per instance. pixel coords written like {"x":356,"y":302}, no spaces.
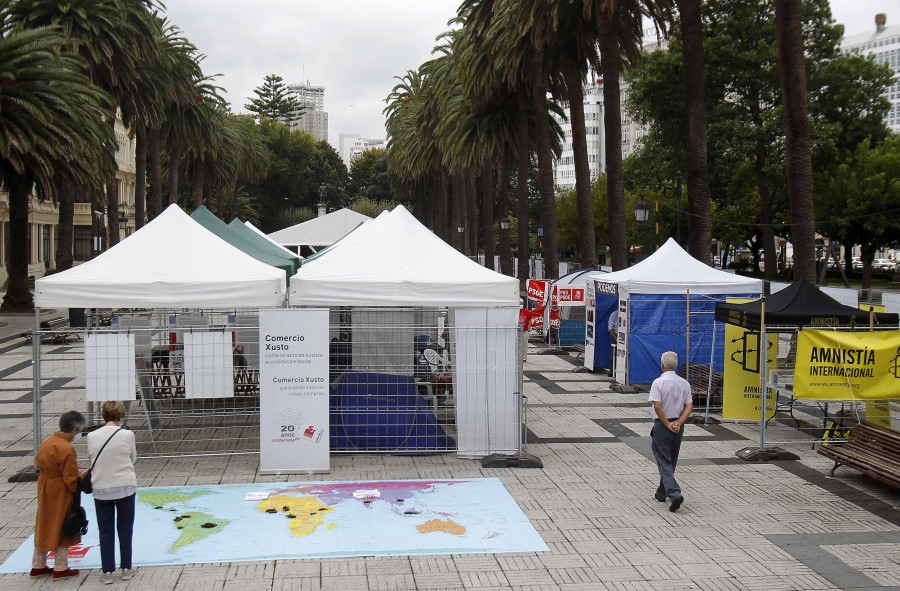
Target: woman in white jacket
{"x":115,"y":484}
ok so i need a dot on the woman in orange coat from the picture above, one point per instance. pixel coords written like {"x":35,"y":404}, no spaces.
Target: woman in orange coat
{"x":58,"y":480}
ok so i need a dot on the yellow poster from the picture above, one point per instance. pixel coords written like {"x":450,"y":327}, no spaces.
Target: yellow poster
{"x":741,"y":388}
{"x":847,"y":365}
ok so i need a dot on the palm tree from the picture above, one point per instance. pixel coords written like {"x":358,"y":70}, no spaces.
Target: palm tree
{"x":114,"y":37}
{"x":792,"y":71}
{"x":695,"y":130}
{"x":52,"y":121}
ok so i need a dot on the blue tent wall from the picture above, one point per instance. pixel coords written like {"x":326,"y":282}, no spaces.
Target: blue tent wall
{"x":383,"y":412}
{"x":658,"y":323}
{"x":604,"y":305}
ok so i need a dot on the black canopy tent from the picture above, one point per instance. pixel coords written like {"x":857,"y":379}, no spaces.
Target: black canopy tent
{"x":797,"y":306}
{"x":800,"y":304}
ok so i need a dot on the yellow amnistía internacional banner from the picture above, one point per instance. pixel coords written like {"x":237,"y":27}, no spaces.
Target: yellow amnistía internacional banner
{"x":847,"y":365}
{"x":741,"y":388}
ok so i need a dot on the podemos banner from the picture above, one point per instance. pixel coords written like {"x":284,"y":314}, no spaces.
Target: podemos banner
{"x":847,"y":365}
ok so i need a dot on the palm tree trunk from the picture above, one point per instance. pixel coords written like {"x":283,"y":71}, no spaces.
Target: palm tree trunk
{"x":696,"y":126}
{"x":502,"y":211}
{"x":587,"y":241}
{"x":611,"y":61}
{"x":112,"y":199}
{"x":487,"y":212}
{"x":522,"y":187}
{"x":18,"y":296}
{"x":65,"y":236}
{"x":220,"y":201}
{"x":140,"y":176}
{"x":198,"y":186}
{"x":545,"y":165}
{"x":457,"y":201}
{"x":765,"y":209}
{"x":156,"y":170}
{"x":440,"y":223}
{"x":112,"y":212}
{"x":471,"y":212}
{"x":174,"y":161}
{"x":792,"y":71}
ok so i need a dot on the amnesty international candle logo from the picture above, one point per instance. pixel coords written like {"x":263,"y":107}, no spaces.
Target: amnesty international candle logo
{"x":847,"y":366}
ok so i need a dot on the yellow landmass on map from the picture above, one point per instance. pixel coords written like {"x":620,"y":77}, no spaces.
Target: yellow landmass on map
{"x":303,"y":514}
{"x":449,"y":526}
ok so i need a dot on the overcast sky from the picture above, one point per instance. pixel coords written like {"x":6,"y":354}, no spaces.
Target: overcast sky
{"x":353,"y":48}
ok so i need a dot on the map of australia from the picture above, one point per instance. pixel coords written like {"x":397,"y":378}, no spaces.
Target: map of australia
{"x":225,"y":523}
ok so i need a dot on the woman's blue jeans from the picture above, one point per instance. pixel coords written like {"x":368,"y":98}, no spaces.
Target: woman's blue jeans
{"x":112,"y":517}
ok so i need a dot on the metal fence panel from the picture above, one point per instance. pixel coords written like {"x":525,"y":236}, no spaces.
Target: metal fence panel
{"x":394,"y":378}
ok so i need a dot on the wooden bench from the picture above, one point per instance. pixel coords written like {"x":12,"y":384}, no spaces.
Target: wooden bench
{"x":699,"y":381}
{"x":58,"y":329}
{"x":872,"y":449}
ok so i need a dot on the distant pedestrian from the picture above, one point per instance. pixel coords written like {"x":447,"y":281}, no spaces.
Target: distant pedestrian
{"x":57,"y":482}
{"x":612,"y":324}
{"x":115,"y":484}
{"x":672,"y":402}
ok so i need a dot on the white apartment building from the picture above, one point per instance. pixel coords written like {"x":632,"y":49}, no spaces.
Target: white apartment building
{"x":314,"y":119}
{"x":351,"y":145}
{"x":564,"y":166}
{"x":90,"y":221}
{"x":883,"y":43}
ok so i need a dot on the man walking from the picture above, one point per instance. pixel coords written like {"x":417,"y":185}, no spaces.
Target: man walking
{"x":672,"y":402}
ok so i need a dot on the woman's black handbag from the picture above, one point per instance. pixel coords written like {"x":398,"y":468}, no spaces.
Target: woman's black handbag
{"x":76,"y":523}
{"x":84,"y":481}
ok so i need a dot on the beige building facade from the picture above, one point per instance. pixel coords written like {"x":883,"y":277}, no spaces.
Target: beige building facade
{"x":90,"y":236}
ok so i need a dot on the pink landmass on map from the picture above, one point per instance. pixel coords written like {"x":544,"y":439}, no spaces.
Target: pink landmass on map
{"x":393,"y":491}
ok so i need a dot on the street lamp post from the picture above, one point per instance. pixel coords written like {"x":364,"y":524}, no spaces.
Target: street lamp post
{"x":123,"y":220}
{"x":667,"y":190}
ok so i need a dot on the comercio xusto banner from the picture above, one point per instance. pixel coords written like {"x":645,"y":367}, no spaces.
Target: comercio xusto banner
{"x":847,"y":365}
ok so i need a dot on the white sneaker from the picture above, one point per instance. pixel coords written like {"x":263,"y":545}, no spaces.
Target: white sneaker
{"x":106,"y":578}
{"x":127,"y":573}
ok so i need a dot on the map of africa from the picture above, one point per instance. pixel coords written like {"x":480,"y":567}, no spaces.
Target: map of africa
{"x":190,"y":524}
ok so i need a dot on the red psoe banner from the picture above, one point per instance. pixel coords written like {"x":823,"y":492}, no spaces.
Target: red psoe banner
{"x":537,"y":289}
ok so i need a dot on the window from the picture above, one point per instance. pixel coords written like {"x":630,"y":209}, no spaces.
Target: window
{"x":82,"y":243}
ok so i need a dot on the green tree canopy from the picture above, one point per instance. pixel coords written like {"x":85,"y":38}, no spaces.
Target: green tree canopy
{"x":862,"y":198}
{"x":370,"y":177}
{"x":746,"y":138}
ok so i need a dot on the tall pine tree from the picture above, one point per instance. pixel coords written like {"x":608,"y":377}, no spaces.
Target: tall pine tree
{"x":273,"y":101}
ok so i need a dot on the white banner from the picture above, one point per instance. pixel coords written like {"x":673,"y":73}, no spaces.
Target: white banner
{"x":208,"y":365}
{"x":109,"y":367}
{"x":293,"y":391}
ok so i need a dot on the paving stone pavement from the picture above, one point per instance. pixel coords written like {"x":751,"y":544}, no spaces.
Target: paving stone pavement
{"x":743,"y":526}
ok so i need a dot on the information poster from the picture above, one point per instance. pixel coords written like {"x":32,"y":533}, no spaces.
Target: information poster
{"x":109,"y":367}
{"x":293,"y":391}
{"x":740,"y":387}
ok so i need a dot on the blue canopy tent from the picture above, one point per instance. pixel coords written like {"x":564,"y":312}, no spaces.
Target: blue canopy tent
{"x":665,"y":302}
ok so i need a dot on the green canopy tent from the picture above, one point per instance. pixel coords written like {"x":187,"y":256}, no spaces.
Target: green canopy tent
{"x":241,"y":229}
{"x":270,"y":256}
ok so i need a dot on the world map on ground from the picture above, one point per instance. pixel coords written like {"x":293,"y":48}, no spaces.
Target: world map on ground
{"x":266,"y":521}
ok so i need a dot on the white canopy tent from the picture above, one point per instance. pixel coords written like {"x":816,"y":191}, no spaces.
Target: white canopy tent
{"x":171,"y":262}
{"x":395,"y":262}
{"x":658,"y":299}
{"x":671,"y":270}
{"x":320,"y":231}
